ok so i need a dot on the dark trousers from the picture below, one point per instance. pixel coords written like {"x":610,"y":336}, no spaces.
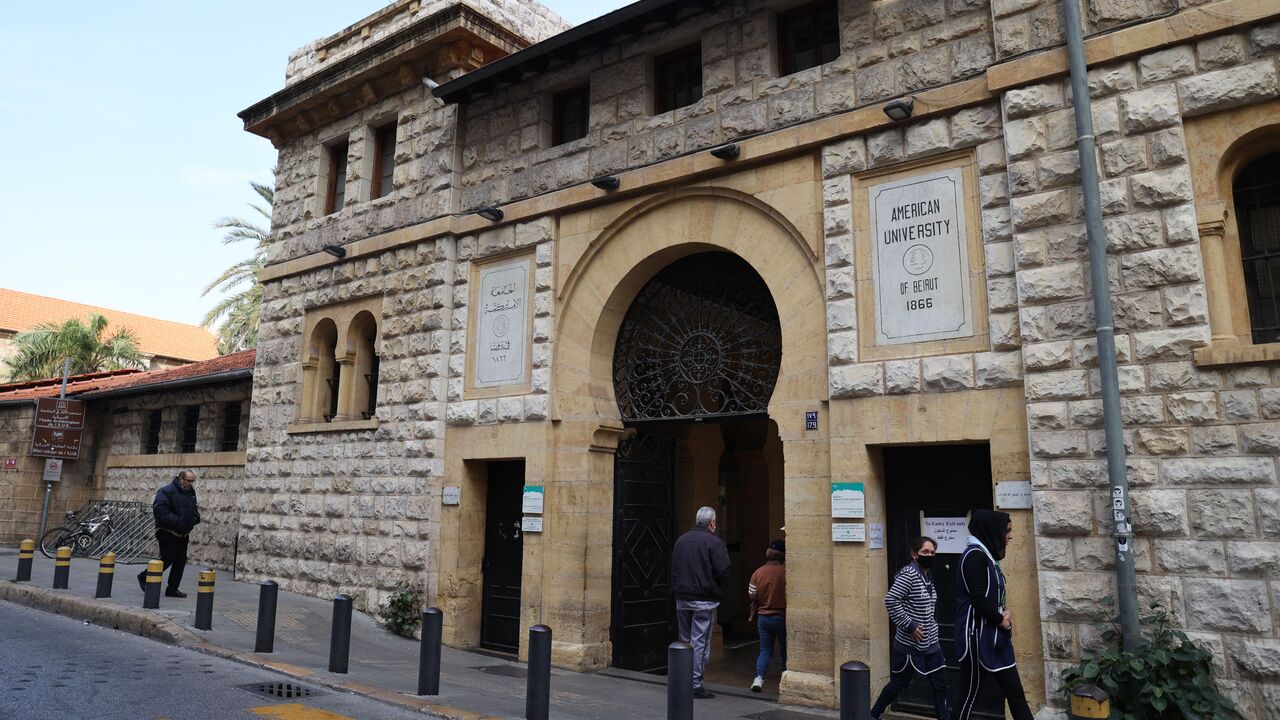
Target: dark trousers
{"x":974,"y":676}
{"x":173,"y":551}
{"x":900,"y":681}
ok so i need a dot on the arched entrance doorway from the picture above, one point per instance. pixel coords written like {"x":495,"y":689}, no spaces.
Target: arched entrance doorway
{"x":694,"y":367}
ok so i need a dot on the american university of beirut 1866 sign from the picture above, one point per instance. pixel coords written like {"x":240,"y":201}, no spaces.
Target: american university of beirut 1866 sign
{"x":502,"y":329}
{"x":920,"y":259}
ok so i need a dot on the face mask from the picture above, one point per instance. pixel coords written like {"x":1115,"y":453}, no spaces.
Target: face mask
{"x":925,"y":561}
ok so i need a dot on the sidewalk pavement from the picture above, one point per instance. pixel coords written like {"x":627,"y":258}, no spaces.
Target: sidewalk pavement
{"x":473,"y":685}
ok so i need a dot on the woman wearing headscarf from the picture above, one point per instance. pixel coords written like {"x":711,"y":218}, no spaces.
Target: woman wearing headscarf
{"x":984,"y":629}
{"x":912,"y":605}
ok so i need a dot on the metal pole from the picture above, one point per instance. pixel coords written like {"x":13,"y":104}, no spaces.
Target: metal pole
{"x":44,"y":516}
{"x":429,"y":652}
{"x":62,"y":568}
{"x":151,"y":595}
{"x":26,"y":552}
{"x":679,"y":681}
{"x":106,"y":573}
{"x":204,"y":601}
{"x":855,"y":691}
{"x":1122,"y":529}
{"x":266,"y":640}
{"x":537,"y":699}
{"x":340,"y":638}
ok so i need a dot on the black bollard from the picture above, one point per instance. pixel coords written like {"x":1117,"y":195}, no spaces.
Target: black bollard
{"x":204,"y":601}
{"x":429,"y":652}
{"x":266,"y":641}
{"x":340,"y":638}
{"x":537,"y":699}
{"x":106,"y":572}
{"x":62,"y":568}
{"x":855,"y":691}
{"x":679,"y":681}
{"x":26,"y":551}
{"x":151,"y":595}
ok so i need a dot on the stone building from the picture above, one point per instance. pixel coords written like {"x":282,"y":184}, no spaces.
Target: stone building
{"x":535,"y":294}
{"x":141,"y":428}
{"x":162,"y":343}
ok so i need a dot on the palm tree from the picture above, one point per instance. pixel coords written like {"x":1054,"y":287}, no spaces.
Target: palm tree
{"x":239,"y":311}
{"x":42,"y":351}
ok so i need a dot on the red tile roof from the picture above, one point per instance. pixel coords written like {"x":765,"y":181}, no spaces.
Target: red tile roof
{"x":21,"y":311}
{"x":93,"y":383}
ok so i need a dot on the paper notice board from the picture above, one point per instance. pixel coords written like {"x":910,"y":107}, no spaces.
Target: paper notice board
{"x":951,"y":533}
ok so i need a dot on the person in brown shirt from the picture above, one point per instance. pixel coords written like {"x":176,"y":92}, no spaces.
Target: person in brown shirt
{"x":768,"y":592}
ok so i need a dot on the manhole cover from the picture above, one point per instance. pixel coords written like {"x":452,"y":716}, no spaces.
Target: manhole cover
{"x":279,"y":690}
{"x":514,"y":671}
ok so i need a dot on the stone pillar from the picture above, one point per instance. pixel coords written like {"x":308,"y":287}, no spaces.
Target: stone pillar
{"x":1212,"y":237}
{"x":346,"y":379}
{"x":310,"y":389}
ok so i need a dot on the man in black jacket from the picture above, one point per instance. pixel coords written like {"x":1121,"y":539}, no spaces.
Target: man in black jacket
{"x":699,"y":565}
{"x":176,"y":513}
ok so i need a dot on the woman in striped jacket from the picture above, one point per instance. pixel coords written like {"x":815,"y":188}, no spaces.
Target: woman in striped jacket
{"x":911,"y":602}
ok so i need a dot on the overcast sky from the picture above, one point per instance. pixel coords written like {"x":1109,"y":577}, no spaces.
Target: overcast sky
{"x":122,"y":144}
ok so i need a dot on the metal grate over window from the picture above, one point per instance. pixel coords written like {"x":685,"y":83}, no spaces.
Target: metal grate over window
{"x":1257,"y":201}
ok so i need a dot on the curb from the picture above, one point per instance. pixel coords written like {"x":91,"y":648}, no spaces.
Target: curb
{"x":162,"y":629}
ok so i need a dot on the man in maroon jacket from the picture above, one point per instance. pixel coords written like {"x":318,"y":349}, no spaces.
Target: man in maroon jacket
{"x":699,"y":565}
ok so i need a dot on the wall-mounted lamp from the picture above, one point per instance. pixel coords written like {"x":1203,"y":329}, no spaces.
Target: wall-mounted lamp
{"x":336,"y":250}
{"x":726,"y":152}
{"x":426,"y":79}
{"x":607,"y":182}
{"x":899,"y":109}
{"x":492,"y":214}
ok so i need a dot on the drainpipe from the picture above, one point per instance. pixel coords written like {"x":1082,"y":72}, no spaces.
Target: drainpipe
{"x":1126,"y":585}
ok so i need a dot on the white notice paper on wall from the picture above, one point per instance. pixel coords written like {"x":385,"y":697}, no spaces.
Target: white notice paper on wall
{"x":502,"y":323}
{"x":920,"y":259}
{"x":848,"y":532}
{"x":875,"y":536}
{"x":1013,"y":494}
{"x":951,"y":533}
{"x":531,"y":523}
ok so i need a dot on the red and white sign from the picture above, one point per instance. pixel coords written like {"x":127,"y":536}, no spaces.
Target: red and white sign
{"x":52,"y":470}
{"x":11,"y":463}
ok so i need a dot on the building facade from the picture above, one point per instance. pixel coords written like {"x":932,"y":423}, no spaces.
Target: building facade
{"x":519,"y":325}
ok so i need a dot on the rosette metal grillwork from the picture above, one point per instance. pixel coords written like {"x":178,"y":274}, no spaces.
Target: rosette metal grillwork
{"x":702,"y":338}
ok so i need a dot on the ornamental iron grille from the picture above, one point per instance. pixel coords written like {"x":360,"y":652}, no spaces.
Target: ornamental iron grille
{"x":702,"y":338}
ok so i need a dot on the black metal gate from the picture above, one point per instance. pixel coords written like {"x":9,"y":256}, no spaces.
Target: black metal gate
{"x":643,"y":620}
{"x":503,"y":557}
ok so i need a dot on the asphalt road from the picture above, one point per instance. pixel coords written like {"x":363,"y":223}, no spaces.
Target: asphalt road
{"x":61,"y":669}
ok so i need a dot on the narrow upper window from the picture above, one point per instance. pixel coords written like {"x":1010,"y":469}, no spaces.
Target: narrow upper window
{"x":190,"y":423}
{"x":569,"y":115}
{"x":231,"y":426}
{"x":151,"y":442}
{"x":1257,"y":200}
{"x":677,"y":79}
{"x":384,"y":160}
{"x":808,"y":36}
{"x":336,"y":195}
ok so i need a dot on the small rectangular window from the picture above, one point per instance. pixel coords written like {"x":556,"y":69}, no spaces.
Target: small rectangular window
{"x":190,"y":424}
{"x":384,"y":161}
{"x":677,"y":79}
{"x":569,"y":111}
{"x":231,"y":426}
{"x":808,"y":37}
{"x":151,"y":442}
{"x":337,"y":192}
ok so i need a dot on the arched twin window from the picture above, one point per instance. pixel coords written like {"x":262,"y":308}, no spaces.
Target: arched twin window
{"x":340,"y":369}
{"x":1256,"y":194}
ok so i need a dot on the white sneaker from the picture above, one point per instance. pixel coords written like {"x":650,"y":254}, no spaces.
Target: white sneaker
{"x":758,"y":684}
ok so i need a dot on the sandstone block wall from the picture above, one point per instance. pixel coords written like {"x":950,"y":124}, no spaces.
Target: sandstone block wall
{"x":1202,"y":461}
{"x":22,"y":489}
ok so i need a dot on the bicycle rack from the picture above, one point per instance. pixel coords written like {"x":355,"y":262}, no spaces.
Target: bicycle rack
{"x":132,"y":534}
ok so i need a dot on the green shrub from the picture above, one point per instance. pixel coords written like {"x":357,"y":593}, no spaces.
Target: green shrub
{"x":403,"y":609}
{"x":1168,"y":678}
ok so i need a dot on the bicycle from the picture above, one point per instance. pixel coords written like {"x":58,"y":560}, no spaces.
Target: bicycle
{"x":79,"y":535}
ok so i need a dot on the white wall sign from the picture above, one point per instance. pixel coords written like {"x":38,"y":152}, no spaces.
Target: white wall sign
{"x":951,"y":533}
{"x":848,"y":532}
{"x":52,"y":470}
{"x":532,"y":500}
{"x":920,"y":259}
{"x":1013,"y":494}
{"x":452,"y":495}
{"x":875,"y":536}
{"x":502,"y":323}
{"x":531,"y":523}
{"x":848,"y":500}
